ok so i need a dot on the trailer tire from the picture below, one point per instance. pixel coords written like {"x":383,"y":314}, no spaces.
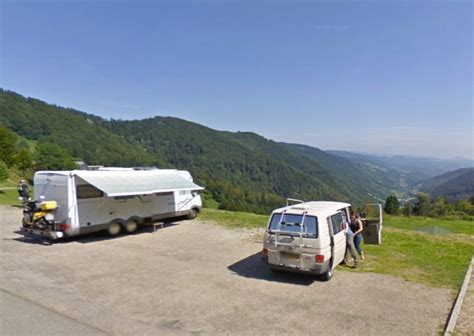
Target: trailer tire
{"x":131,"y":226}
{"x":114,"y":228}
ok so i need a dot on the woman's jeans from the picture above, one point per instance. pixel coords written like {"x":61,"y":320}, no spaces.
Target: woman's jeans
{"x":357,"y":241}
{"x":350,"y":250}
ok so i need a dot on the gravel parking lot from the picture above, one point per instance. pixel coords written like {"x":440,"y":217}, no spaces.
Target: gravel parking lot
{"x":193,"y":278}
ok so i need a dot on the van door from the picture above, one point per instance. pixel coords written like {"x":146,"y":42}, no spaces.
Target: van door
{"x":339,"y":236}
{"x":371,"y":217}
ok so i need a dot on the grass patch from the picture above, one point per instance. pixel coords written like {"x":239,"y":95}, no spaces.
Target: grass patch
{"x":210,"y":203}
{"x":9,"y":197}
{"x":435,"y":260}
{"x":439,"y":261}
{"x":8,"y":191}
{"x":415,"y":223}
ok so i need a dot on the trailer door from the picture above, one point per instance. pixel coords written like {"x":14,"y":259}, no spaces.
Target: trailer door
{"x":372,"y":221}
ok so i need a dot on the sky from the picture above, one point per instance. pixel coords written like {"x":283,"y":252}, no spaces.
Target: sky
{"x":392,"y":77}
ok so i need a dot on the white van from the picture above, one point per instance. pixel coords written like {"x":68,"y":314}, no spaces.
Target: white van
{"x":114,"y":199}
{"x":309,"y":237}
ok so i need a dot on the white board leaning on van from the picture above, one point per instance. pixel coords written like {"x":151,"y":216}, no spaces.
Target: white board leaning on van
{"x":116,"y":199}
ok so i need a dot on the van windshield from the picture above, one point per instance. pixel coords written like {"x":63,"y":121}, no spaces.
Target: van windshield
{"x":291,"y":225}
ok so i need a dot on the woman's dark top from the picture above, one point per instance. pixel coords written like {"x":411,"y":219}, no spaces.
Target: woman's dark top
{"x":354,"y":225}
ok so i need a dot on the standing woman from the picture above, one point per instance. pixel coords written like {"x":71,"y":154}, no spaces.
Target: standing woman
{"x":357,"y":227}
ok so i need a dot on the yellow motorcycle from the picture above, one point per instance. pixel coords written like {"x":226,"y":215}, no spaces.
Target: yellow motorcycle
{"x":39,"y":214}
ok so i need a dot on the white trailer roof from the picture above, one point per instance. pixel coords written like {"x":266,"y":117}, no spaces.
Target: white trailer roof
{"x":137,"y":182}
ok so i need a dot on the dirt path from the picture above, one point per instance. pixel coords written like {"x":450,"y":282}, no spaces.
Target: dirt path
{"x":199,"y":278}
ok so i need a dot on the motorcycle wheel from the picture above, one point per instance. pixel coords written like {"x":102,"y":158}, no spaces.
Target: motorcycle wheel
{"x":41,"y":224}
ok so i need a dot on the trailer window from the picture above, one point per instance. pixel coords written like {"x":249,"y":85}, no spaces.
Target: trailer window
{"x":88,"y":191}
{"x":291,"y":225}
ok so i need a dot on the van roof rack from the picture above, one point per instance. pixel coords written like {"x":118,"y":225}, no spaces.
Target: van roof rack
{"x":294,"y":200}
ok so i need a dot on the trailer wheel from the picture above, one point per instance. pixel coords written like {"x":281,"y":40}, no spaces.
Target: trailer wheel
{"x":131,"y":226}
{"x":114,"y":229}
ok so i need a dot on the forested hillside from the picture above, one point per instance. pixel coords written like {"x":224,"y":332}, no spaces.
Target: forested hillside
{"x":454,"y":185}
{"x":366,"y":176}
{"x":77,"y":132}
{"x":241,"y":171}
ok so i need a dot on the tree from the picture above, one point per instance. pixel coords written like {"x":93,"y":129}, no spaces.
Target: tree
{"x":52,"y":157}
{"x":440,"y":207}
{"x":3,"y":171}
{"x":24,"y":160}
{"x":22,"y":144}
{"x":464,"y":206}
{"x":392,"y":205}
{"x":423,"y":204}
{"x":7,"y":146}
{"x":407,"y":209}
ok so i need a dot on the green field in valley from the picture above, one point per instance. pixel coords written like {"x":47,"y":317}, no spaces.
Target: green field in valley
{"x":438,"y":260}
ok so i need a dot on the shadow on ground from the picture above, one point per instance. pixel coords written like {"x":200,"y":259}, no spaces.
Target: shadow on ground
{"x":253,"y":267}
{"x":88,"y":238}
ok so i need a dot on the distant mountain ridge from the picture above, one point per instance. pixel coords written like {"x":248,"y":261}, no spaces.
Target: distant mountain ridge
{"x":454,"y":185}
{"x":415,"y":169}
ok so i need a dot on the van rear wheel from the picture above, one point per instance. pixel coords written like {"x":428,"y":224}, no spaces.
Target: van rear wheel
{"x":114,"y":229}
{"x":131,"y":226}
{"x":328,"y":274}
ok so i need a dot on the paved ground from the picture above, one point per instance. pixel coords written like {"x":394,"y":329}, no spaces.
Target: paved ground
{"x":194,"y":278}
{"x":23,"y":317}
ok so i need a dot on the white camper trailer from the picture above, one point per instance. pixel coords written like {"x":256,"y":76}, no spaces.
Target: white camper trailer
{"x":115,"y":199}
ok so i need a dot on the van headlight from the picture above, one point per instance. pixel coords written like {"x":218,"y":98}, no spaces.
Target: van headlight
{"x":49,"y":217}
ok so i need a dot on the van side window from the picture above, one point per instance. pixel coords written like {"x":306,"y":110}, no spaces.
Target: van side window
{"x":88,"y":191}
{"x":337,"y":220}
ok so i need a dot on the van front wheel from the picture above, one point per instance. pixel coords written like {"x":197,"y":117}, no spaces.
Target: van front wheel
{"x":328,"y":274}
